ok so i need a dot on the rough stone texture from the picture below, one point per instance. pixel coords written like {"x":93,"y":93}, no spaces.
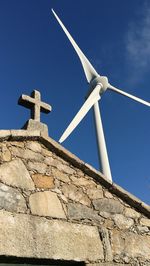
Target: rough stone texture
{"x":41,"y":238}
{"x":14,"y":173}
{"x":82,"y":181}
{"x":95,"y":193}
{"x":142,"y":229}
{"x":145,"y":222}
{"x":11,"y":199}
{"x":37,"y":167}
{"x":5,"y":154}
{"x":48,"y":160}
{"x":106,"y":244}
{"x":79,"y":212}
{"x":48,"y":153}
{"x":43,"y":181}
{"x":130,"y":244}
{"x":61,"y":176}
{"x":46,"y":204}
{"x":27,"y":154}
{"x":108,"y":223}
{"x":17,"y":143}
{"x":108,"y":195}
{"x":75,"y":194}
{"x":106,"y":214}
{"x":122,"y":222}
{"x":23,"y":135}
{"x":81,"y":196}
{"x":108,"y":205}
{"x":131,"y":213}
{"x":108,"y":264}
{"x":65,"y":168}
{"x":34,"y":146}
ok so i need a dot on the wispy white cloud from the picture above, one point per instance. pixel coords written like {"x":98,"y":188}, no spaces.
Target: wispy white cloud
{"x":138,"y":42}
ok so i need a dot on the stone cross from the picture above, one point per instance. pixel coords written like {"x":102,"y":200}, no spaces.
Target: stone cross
{"x":35,"y":104}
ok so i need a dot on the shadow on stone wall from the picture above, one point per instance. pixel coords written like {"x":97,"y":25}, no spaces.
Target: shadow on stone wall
{"x":13,"y":261}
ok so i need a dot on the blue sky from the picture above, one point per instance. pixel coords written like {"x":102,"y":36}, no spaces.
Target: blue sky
{"x":35,"y":54}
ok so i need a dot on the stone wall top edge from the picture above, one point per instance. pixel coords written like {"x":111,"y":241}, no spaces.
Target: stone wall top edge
{"x":86,"y":168}
{"x":18,"y":134}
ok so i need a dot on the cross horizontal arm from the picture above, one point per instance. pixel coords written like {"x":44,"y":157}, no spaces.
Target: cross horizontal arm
{"x":26,"y":101}
{"x":45,"y":108}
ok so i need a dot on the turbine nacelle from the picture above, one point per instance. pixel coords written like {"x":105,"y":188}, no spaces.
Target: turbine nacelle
{"x":100,"y":80}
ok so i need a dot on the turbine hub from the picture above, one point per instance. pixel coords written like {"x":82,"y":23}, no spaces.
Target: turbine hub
{"x":102,"y":81}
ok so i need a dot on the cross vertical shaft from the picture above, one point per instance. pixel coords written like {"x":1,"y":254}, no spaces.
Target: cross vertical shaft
{"x":35,"y":111}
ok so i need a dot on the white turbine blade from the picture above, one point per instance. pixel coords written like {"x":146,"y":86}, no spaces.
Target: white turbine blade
{"x":128,"y":95}
{"x":91,"y":100}
{"x":89,"y":70}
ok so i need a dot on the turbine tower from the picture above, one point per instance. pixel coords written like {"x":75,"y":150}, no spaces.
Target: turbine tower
{"x":98,"y":85}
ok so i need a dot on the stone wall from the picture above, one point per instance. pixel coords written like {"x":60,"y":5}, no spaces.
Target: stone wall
{"x":54,"y":206}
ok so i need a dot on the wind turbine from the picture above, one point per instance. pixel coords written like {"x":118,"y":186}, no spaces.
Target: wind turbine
{"x":98,"y":85}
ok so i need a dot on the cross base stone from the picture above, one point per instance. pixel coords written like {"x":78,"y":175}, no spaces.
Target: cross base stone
{"x":36,"y":125}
